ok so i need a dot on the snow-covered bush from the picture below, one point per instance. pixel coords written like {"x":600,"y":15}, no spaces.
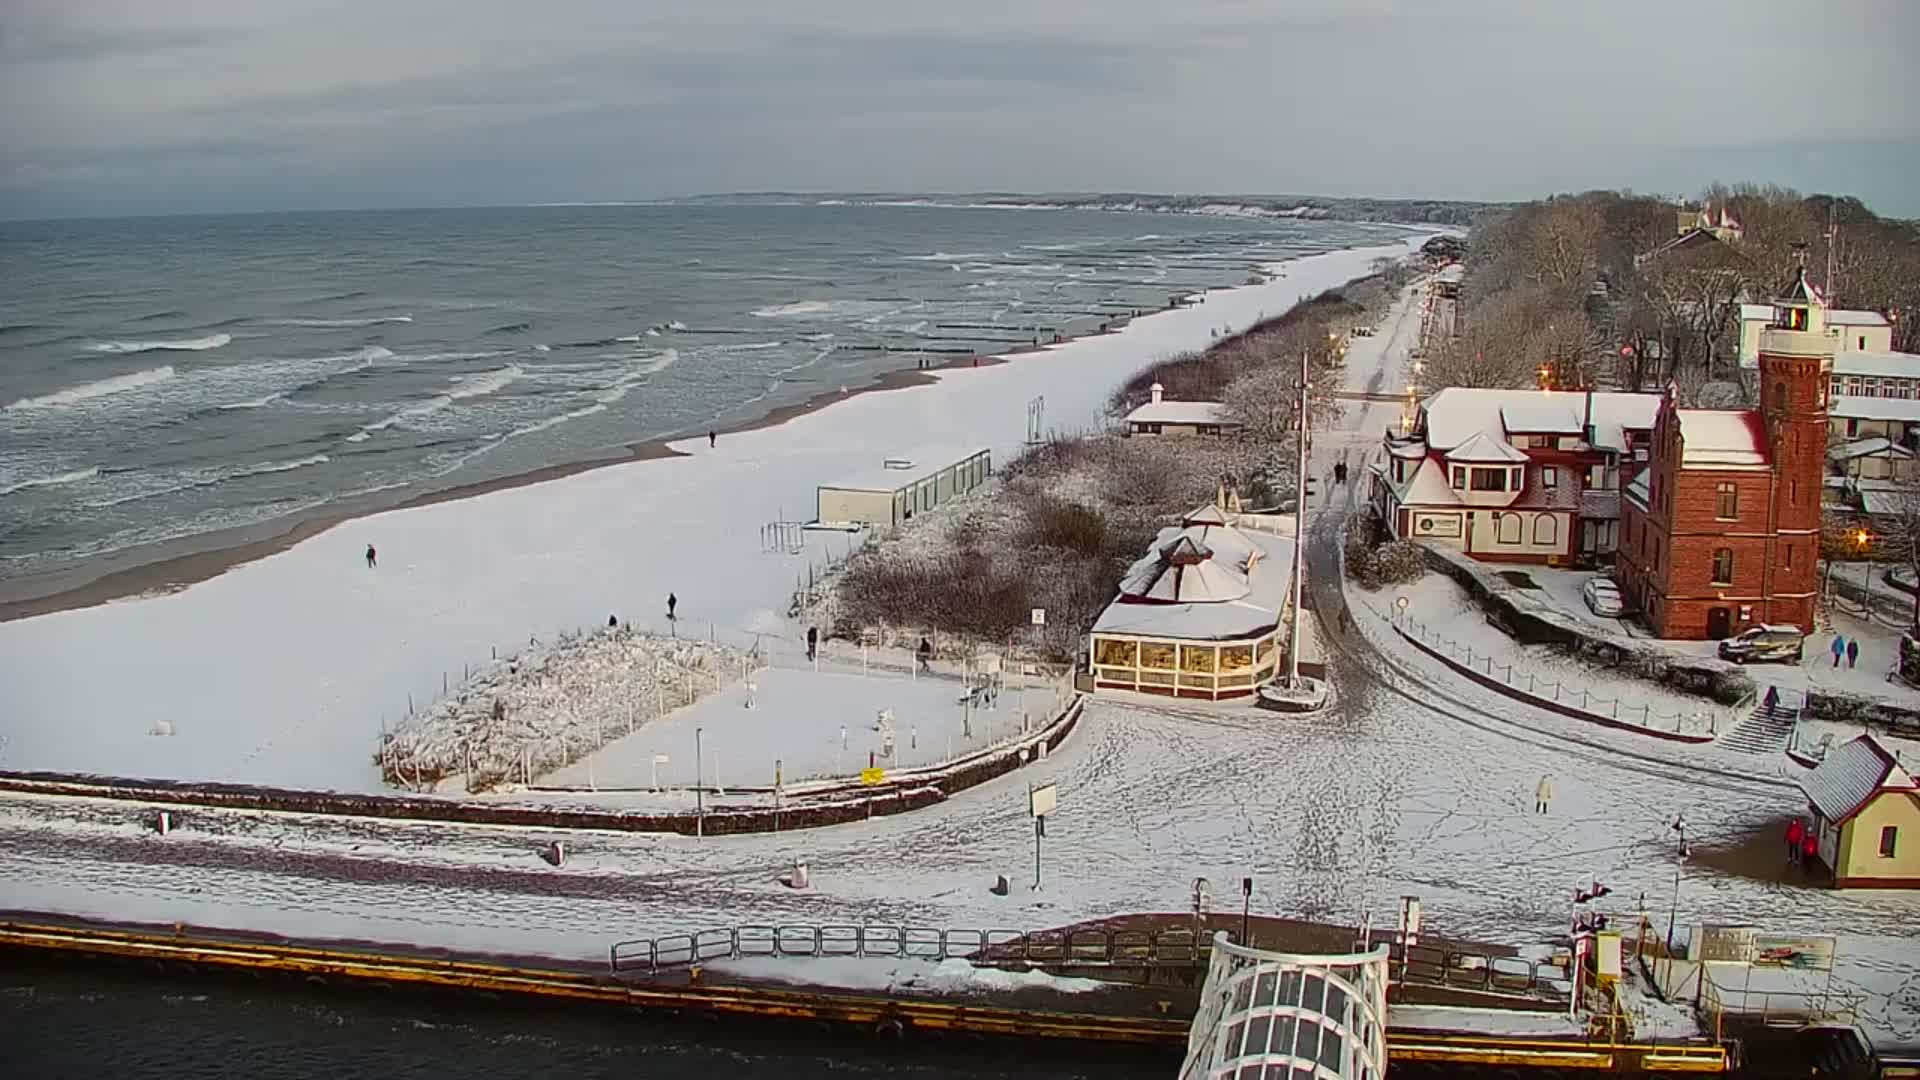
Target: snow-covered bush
{"x":1374,"y":561}
{"x":517,"y":718}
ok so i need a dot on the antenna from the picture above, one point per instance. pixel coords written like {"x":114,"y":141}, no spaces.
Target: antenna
{"x":1833,"y":243}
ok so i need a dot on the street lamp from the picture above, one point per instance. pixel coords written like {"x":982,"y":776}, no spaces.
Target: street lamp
{"x":1679,"y":826}
{"x":1862,"y":540}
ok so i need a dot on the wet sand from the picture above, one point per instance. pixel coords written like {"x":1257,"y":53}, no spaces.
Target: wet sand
{"x":175,"y":565}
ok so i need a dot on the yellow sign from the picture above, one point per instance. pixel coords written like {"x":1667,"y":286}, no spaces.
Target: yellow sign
{"x":872,"y":776}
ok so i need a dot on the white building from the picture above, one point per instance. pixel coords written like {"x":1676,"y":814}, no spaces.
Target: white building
{"x":1853,"y":331}
{"x":1199,"y":615}
{"x":1162,"y":417}
{"x":1519,"y":475}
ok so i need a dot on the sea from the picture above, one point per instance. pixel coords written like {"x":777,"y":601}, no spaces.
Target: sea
{"x":84,"y":1023}
{"x":167,"y":380}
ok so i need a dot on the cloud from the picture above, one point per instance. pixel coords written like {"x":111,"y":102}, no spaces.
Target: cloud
{"x":128,"y":103}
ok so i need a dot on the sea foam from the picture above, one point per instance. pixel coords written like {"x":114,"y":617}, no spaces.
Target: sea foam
{"x":199,"y":344}
{"x":118,"y":384}
{"x":73,"y":477}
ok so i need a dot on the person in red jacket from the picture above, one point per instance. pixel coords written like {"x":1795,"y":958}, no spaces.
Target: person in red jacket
{"x":1796,"y":832}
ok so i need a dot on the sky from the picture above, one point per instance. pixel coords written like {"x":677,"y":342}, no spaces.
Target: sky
{"x":177,"y":106}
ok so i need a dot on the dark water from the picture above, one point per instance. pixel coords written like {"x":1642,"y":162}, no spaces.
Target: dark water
{"x":161,"y":378}
{"x":109,"y":1023}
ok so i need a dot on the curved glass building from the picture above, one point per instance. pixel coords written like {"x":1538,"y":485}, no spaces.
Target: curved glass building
{"x":1289,"y":1016}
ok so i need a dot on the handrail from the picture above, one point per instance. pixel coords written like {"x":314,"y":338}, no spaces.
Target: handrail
{"x":1170,"y":947}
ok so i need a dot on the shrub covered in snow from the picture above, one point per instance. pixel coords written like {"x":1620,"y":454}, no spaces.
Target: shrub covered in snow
{"x":1375,"y":561}
{"x":517,"y":718}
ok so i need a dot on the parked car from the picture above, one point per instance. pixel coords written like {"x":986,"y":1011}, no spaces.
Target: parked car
{"x":1603,"y":598}
{"x":1363,"y":331}
{"x":1778,"y":644}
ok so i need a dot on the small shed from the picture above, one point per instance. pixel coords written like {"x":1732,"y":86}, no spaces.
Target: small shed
{"x":1866,"y":816}
{"x":901,"y":486}
{"x":1162,"y":417}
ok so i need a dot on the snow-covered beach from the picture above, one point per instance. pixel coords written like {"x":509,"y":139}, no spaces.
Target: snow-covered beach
{"x":281,"y":671}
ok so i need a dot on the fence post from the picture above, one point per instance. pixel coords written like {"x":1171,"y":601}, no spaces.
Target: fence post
{"x":1646,"y":716}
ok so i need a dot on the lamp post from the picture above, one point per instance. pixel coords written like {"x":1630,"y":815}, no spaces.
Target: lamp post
{"x":1299,"y":532}
{"x":1862,"y":540}
{"x":699,"y":796}
{"x":1673,"y":912}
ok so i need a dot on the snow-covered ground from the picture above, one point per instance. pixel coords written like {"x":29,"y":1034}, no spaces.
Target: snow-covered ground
{"x":281,"y":671}
{"x":1449,"y":620}
{"x":1411,"y":783}
{"x":813,"y":725}
{"x":1869,"y":676}
{"x":901,"y":976}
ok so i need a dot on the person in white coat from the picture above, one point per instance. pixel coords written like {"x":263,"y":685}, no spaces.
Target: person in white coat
{"x":1542,"y":794}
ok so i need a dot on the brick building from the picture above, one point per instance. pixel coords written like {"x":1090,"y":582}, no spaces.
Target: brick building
{"x":1721,"y":530}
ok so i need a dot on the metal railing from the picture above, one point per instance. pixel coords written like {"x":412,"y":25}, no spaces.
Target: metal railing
{"x":1178,"y":947}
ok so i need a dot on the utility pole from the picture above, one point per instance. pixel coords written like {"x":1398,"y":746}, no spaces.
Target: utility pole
{"x":1833,"y":243}
{"x":699,"y":796}
{"x":1299,"y":531}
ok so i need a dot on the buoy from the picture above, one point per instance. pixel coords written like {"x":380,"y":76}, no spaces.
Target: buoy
{"x":165,"y":823}
{"x":556,"y":853}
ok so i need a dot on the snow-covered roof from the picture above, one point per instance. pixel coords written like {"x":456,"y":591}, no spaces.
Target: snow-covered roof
{"x":1721,"y":439}
{"x":1205,"y":515}
{"x":1451,"y":272}
{"x":1179,"y":412}
{"x":1429,"y":487}
{"x":1867,"y":448}
{"x":1756,"y":312}
{"x":923,"y":462}
{"x":1856,"y":318}
{"x":1412,"y":448}
{"x":1456,"y":413}
{"x":1639,"y":490}
{"x":1249,"y":615}
{"x":1873,"y":363}
{"x":1881,"y":502}
{"x":1545,"y":414}
{"x":1484,"y":447}
{"x":1859,"y":407}
{"x":1851,"y":775}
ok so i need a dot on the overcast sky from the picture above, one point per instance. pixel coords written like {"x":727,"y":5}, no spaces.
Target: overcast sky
{"x":160,"y":106}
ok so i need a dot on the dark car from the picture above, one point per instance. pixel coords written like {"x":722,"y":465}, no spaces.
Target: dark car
{"x":1765,"y":644}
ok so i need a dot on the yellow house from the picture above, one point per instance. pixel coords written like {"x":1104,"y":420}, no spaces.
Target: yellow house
{"x":1866,"y":815}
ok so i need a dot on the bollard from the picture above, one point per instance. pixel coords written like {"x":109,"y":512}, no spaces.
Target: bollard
{"x":164,"y":824}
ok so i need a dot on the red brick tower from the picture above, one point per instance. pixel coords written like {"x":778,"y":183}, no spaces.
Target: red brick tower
{"x":1796,"y":369}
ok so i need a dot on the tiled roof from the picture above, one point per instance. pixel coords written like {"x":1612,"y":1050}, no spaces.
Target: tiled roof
{"x":1851,"y":775}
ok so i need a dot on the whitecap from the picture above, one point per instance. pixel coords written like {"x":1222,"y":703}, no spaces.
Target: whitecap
{"x":199,"y":344}
{"x":376,"y":320}
{"x":58,"y":480}
{"x":118,"y":384}
{"x":798,"y":307}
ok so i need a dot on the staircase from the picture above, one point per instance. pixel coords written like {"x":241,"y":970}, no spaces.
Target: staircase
{"x":1765,"y":730}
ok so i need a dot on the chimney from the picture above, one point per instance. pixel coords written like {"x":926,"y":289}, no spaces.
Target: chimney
{"x":1158,"y":392}
{"x":1586,"y":426}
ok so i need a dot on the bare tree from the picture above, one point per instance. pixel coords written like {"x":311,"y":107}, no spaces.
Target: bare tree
{"x":1564,"y":253}
{"x":1899,"y":529}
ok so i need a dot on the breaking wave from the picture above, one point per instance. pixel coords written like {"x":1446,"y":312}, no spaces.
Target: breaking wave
{"x":118,"y":384}
{"x":203,"y":478}
{"x":256,"y":403}
{"x":512,"y":328}
{"x":471,"y":386}
{"x":798,"y":307}
{"x":325,"y":324}
{"x":199,"y":344}
{"x":73,"y":477}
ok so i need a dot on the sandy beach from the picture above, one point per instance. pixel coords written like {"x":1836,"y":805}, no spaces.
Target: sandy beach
{"x":277,"y":662}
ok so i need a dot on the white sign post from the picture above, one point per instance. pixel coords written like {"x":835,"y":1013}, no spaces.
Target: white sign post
{"x":1039,"y":616}
{"x":658,"y":760}
{"x":1040,"y":803}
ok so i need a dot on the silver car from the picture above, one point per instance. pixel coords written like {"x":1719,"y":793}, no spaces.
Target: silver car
{"x":1603,"y":598}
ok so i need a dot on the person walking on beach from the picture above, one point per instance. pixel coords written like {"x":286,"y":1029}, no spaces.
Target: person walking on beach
{"x":1853,"y":651}
{"x":813,"y":642}
{"x":373,"y":557}
{"x":672,"y":602}
{"x":1796,"y":833}
{"x":1542,"y":794}
{"x":925,"y":654}
{"x":1839,"y":648}
{"x":713,"y":439}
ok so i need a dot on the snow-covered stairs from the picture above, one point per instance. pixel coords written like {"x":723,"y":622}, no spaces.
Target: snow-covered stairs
{"x":1765,"y":730}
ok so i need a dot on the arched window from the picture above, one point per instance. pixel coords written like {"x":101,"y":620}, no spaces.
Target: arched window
{"x":1509,"y":528}
{"x":1546,"y":529}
